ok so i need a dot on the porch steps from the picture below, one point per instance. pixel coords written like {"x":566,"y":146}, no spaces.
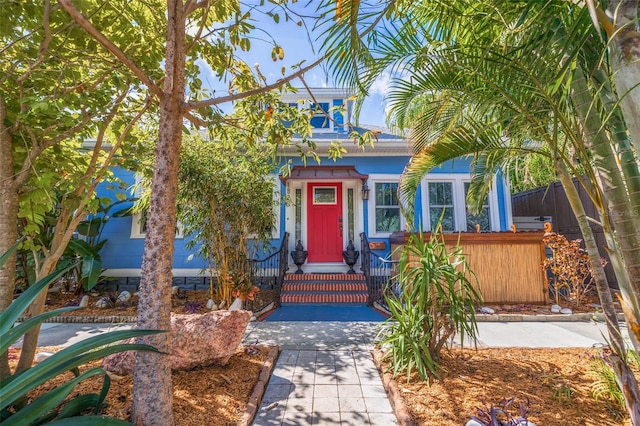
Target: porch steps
{"x":324,"y":288}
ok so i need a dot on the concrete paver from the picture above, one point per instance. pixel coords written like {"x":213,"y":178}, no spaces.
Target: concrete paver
{"x":325,"y":388}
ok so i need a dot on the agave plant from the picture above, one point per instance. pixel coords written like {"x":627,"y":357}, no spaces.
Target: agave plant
{"x":15,"y":407}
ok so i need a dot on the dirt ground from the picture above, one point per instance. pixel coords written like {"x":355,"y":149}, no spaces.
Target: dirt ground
{"x":196,"y":301}
{"x":215,"y":395}
{"x":185,"y":302}
{"x":553,"y":383}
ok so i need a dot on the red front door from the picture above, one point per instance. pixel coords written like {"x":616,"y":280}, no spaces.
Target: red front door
{"x":324,"y":222}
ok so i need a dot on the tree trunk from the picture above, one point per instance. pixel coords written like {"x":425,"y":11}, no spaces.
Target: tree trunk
{"x":8,"y":222}
{"x":624,"y":219}
{"x":152,"y":388}
{"x":629,"y":164}
{"x":30,"y":340}
{"x":66,"y":224}
{"x":599,"y":276}
{"x":628,"y":385}
{"x":625,"y":63}
{"x":624,"y":376}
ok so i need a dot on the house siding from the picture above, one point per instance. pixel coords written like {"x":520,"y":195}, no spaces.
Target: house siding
{"x":122,"y":252}
{"x":384,"y":163}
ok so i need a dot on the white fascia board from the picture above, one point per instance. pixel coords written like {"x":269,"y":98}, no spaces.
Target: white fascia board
{"x":320,"y":93}
{"x":382,"y":147}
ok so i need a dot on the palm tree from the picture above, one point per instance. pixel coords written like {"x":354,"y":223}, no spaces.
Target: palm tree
{"x":486,"y":79}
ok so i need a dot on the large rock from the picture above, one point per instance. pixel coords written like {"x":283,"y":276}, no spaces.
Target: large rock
{"x":197,"y":340}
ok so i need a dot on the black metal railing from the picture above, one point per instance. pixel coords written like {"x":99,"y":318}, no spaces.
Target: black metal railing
{"x":268,"y":275}
{"x":378,"y":272}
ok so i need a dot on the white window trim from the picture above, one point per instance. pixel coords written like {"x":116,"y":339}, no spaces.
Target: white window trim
{"x":371,"y":204}
{"x":321,"y":203}
{"x":459,"y":203}
{"x":277,"y":198}
{"x":136,"y":228}
{"x":290,"y":213}
{"x":136,"y":224}
{"x":301,"y":184}
{"x":326,"y":116}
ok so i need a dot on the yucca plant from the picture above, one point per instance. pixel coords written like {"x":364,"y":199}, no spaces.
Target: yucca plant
{"x":436,"y":301}
{"x":15,"y":407}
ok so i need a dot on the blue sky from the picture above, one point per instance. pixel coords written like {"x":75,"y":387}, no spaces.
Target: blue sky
{"x":298,"y":47}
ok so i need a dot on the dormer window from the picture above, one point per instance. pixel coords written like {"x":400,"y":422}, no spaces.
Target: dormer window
{"x":329,"y":108}
{"x":320,"y":119}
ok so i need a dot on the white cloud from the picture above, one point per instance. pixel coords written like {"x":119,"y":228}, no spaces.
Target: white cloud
{"x":381,"y":85}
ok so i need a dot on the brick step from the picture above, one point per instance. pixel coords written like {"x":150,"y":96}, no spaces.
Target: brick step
{"x":323,"y":287}
{"x":324,"y":292}
{"x":323,"y":298}
{"x":324,"y":277}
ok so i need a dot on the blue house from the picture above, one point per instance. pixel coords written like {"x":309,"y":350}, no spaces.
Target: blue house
{"x":334,"y":202}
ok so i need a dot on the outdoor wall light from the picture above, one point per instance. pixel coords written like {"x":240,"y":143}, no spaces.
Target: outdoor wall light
{"x":365,"y":191}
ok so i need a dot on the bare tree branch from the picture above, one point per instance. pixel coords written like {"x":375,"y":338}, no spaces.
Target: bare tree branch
{"x":203,"y":23}
{"x":223,"y":99}
{"x":191,"y":5}
{"x":23,"y":175}
{"x":98,"y":146}
{"x":107,"y":44}
{"x":44,"y":45}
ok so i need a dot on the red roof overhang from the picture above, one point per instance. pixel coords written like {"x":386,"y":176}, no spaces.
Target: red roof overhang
{"x":324,"y":173}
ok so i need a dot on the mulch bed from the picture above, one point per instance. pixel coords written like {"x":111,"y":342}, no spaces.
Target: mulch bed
{"x":214,"y":395}
{"x":553,"y":383}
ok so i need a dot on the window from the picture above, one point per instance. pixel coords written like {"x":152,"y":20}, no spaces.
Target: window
{"x":275,"y":229}
{"x":139,"y":226}
{"x":387,"y":207}
{"x":444,"y":196}
{"x":483,"y":218}
{"x":441,"y":205}
{"x":320,"y":119}
{"x":324,"y":195}
{"x":383,"y":207}
{"x":350,"y":215}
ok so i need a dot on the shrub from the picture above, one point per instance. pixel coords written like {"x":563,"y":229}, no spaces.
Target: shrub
{"x":193,"y":307}
{"x":605,"y":386}
{"x":501,"y":414}
{"x":435,"y":301}
{"x":15,"y":408}
{"x":570,"y":267}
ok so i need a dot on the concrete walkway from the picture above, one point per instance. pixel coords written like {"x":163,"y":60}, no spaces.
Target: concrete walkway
{"x":325,"y":374}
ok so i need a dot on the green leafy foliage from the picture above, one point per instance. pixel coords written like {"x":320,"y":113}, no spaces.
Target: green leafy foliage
{"x":87,"y":250}
{"x":15,"y":408}
{"x":435,"y":300}
{"x":561,"y":389}
{"x":605,"y":386}
{"x":532,"y":171}
{"x":226,"y":199}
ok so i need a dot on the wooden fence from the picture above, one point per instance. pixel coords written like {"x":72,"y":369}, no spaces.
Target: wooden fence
{"x":507,"y":265}
{"x":552,"y":201}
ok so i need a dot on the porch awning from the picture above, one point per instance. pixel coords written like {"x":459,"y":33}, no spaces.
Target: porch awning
{"x":324,"y":173}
